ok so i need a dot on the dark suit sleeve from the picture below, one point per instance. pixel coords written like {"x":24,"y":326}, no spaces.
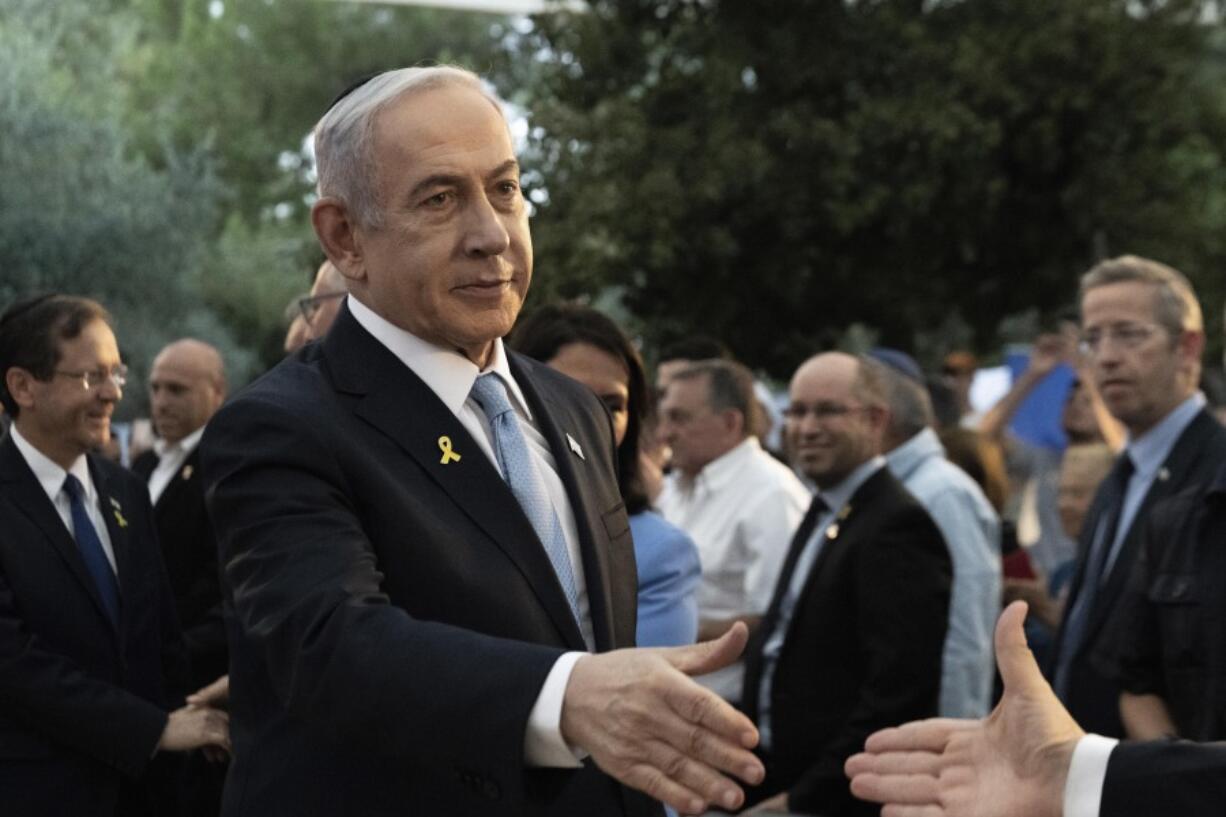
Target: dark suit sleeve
{"x":48,"y":693}
{"x":1165,"y":777}
{"x":904,"y":575}
{"x":311,"y":627}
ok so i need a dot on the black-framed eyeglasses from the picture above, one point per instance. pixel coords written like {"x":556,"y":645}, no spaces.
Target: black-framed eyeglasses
{"x":309,"y":306}
{"x":1125,"y":335}
{"x":93,"y":379}
{"x":796,"y":412}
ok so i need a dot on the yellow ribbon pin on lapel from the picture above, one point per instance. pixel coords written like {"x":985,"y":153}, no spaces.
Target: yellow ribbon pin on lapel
{"x":444,"y":445}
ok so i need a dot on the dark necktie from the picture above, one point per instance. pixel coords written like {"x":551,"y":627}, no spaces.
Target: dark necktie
{"x":92,"y":553}
{"x":1094,"y":576}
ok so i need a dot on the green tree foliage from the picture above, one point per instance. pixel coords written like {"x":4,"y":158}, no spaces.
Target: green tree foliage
{"x":772,"y":173}
{"x":152,"y":153}
{"x":79,"y":211}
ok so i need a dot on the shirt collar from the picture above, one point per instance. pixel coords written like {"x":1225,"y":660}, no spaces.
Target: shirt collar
{"x":907,"y":457}
{"x":448,"y":373}
{"x":1151,"y":449}
{"x":726,"y":467}
{"x":162,"y":448}
{"x":840,"y":494}
{"x":49,"y":474}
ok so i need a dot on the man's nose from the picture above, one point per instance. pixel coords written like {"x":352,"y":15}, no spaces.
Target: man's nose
{"x":485,"y":234}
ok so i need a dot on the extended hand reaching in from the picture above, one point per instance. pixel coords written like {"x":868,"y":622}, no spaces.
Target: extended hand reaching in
{"x":646,"y":723}
{"x":1014,"y":763}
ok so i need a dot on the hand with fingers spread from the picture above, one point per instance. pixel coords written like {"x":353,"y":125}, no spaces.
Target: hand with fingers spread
{"x":646,"y":723}
{"x":1014,"y":763}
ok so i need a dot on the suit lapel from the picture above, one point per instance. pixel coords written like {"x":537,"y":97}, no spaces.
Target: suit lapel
{"x":179,"y":484}
{"x":28,"y":496}
{"x":556,"y":421}
{"x":394,"y":400}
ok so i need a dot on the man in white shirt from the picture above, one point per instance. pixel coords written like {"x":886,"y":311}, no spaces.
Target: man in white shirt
{"x":738,"y":503}
{"x":429,"y":565}
{"x":1031,"y":759}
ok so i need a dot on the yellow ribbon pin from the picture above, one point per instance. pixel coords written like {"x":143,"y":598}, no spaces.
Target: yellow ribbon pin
{"x":444,"y":445}
{"x":123,"y":523}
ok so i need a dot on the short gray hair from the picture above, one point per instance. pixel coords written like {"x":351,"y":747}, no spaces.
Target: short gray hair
{"x":730,"y":385}
{"x":1175,"y":308}
{"x":910,"y":406}
{"x":344,"y":137}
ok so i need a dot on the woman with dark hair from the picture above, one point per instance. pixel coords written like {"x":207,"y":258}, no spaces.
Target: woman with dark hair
{"x":586,"y":345}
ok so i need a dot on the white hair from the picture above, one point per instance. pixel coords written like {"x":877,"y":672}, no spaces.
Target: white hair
{"x":344,"y":137}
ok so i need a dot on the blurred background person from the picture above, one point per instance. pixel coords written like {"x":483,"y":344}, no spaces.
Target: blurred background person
{"x":315,"y":312}
{"x":740,"y":504}
{"x":187,"y":385}
{"x":586,"y":345}
{"x":1142,"y":331}
{"x":967,"y":522}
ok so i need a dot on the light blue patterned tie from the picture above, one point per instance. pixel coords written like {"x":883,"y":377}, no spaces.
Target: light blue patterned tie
{"x":525,"y":481}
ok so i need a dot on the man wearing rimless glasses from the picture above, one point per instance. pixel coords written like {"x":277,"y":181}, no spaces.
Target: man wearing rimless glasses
{"x":90,"y":653}
{"x":1142,"y":332}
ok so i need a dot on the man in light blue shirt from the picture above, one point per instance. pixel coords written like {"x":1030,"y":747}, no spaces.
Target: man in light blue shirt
{"x":972,"y":533}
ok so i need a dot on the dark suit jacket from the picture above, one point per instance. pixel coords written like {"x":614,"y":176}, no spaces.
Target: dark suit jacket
{"x":863,"y":648}
{"x":392,"y":618}
{"x":81,"y":705}
{"x":1169,"y":638}
{"x":190,"y":552}
{"x":1093,"y":696}
{"x":1165,"y":777}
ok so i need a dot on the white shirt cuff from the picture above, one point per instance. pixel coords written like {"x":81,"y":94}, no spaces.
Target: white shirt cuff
{"x":544,"y":745}
{"x":1083,"y":791}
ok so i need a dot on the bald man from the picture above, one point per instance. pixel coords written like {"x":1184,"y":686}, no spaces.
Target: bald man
{"x":186,"y":387}
{"x":853,"y":638}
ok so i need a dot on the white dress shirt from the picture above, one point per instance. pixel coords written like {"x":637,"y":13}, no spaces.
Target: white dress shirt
{"x":1083,"y":791}
{"x":52,"y":476}
{"x":450,"y":376}
{"x":741,"y":511}
{"x":171,"y":457}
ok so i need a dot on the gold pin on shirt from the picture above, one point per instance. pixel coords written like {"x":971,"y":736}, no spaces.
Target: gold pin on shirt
{"x":444,"y":445}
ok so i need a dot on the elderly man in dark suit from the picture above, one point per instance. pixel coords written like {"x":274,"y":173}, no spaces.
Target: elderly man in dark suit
{"x":1142,"y":330}
{"x":89,"y":647}
{"x":853,"y":638}
{"x":427,"y":566}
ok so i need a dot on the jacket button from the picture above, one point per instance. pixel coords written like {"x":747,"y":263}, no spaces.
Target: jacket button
{"x":491,"y":790}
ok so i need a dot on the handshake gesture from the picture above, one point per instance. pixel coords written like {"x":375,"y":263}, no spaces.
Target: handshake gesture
{"x":202,"y":724}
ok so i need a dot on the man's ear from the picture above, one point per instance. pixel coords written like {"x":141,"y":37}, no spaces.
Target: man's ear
{"x":19,"y":383}
{"x":733,"y":422}
{"x":1191,"y":345}
{"x":338,"y":235}
{"x":878,"y":418}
